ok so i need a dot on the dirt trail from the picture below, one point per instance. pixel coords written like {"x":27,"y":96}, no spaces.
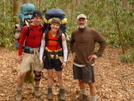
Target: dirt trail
{"x":111,"y":84}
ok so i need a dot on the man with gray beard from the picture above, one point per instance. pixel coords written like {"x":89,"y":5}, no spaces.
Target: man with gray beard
{"x":82,"y":46}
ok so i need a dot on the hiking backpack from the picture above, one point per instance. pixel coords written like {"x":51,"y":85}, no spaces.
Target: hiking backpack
{"x":55,"y":13}
{"x":25,"y":16}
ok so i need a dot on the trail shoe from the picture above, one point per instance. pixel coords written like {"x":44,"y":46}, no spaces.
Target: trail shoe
{"x":85,"y":98}
{"x":62,"y":94}
{"x":18,"y":96}
{"x":49,"y":94}
{"x":37,"y":92}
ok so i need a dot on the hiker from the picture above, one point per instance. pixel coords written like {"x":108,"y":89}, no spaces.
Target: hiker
{"x":82,"y":44}
{"x":52,"y":47}
{"x":31,"y":44}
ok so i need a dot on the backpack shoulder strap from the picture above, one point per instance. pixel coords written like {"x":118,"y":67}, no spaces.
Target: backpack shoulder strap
{"x":60,"y":40}
{"x":46,"y":38}
{"x":42,"y":27}
{"x":28,"y":30}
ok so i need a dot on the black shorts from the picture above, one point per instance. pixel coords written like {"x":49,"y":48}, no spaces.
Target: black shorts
{"x":53,"y":64}
{"x":85,"y":73}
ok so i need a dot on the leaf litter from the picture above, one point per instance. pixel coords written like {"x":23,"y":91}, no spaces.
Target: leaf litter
{"x":114,"y":79}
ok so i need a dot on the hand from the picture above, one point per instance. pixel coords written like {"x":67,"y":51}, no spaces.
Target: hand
{"x":64,"y":64}
{"x":92,"y":57}
{"x":41,"y":63}
{"x":19,"y":58}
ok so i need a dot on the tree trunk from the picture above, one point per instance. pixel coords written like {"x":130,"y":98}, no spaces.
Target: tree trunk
{"x":125,"y":3}
{"x":118,"y":29}
{"x":25,"y":1}
{"x":40,"y":1}
{"x":16,"y":8}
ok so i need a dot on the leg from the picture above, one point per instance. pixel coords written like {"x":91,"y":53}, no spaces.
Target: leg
{"x":20,"y":84}
{"x":58,"y":69}
{"x":77,"y":72}
{"x":93,"y":91}
{"x":81,"y":84}
{"x":50,"y":80}
{"x":37,"y":77}
{"x":59,"y":76}
{"x":50,"y":77}
{"x":82,"y":87}
{"x":37,"y":82}
{"x":83,"y":90}
{"x":21,"y":79}
{"x":62,"y":90}
{"x":93,"y":86}
{"x":24,"y":68}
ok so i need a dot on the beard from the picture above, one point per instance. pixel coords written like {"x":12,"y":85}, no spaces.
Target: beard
{"x":81,"y":26}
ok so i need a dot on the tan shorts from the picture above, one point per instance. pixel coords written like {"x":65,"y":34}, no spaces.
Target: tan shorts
{"x":30,"y":60}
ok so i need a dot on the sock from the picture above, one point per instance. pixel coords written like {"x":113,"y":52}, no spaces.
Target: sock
{"x":93,"y":98}
{"x":83,"y":91}
{"x":36,"y":85}
{"x":61,"y":87}
{"x":19,"y":88}
{"x":49,"y":86}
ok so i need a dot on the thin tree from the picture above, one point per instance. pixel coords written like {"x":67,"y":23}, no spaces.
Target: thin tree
{"x":118,"y":28}
{"x":25,"y":1}
{"x":16,"y":6}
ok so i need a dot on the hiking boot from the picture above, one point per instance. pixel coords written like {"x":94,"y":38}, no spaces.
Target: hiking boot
{"x":18,"y":96}
{"x":37,"y":92}
{"x":85,"y":98}
{"x":62,"y":94}
{"x":49,"y":94}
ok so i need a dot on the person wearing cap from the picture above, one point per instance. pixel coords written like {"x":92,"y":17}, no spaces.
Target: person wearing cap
{"x":53,"y":42}
{"x":82,"y":46}
{"x":28,"y":55}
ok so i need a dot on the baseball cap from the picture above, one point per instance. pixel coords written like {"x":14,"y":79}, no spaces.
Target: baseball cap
{"x":37,"y":13}
{"x":55,"y":20}
{"x":81,"y":16}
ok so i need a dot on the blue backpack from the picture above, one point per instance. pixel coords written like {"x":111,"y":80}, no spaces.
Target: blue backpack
{"x":26,"y":13}
{"x":56,"y":13}
{"x":25,"y":16}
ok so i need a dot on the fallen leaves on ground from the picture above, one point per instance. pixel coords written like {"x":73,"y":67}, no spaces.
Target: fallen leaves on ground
{"x":114,"y":79}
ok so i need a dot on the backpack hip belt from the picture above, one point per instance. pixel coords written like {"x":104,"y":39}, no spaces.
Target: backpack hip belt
{"x":53,"y":54}
{"x":31,"y":50}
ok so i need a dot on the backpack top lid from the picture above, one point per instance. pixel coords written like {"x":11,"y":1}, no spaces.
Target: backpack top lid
{"x":27,"y":9}
{"x":58,"y":13}
{"x":26,"y":12}
{"x":21,"y":16}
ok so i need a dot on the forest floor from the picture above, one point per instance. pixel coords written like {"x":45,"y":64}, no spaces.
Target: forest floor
{"x":114,"y":79}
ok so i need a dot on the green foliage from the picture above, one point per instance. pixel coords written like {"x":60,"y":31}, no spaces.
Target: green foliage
{"x":6,"y":23}
{"x":128,"y":57}
{"x":110,"y":17}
